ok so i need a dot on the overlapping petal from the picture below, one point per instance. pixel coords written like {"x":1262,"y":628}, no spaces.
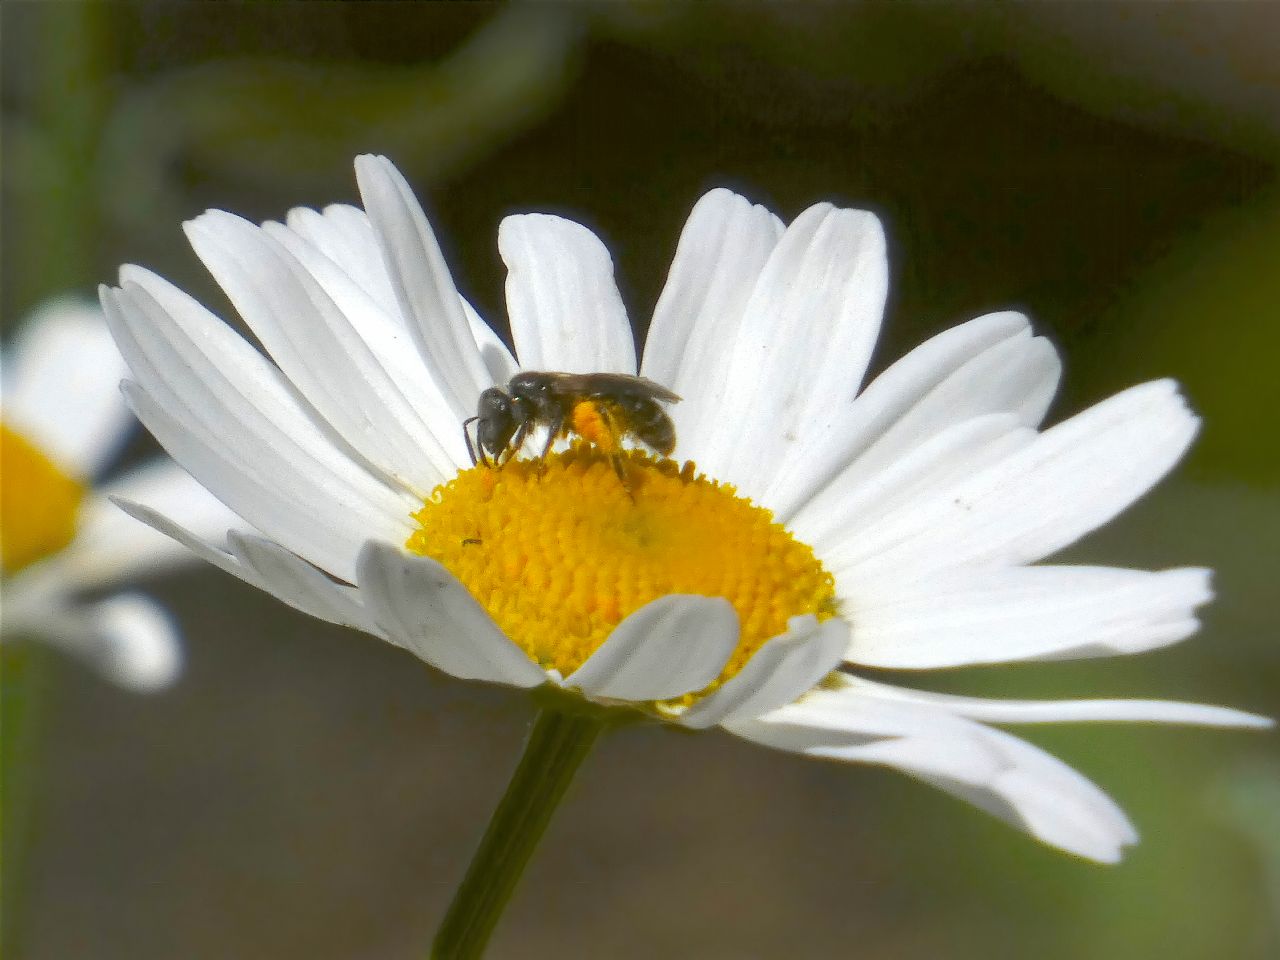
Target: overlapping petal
{"x":1016,"y":375}
{"x":317,"y":347}
{"x":418,"y":399}
{"x":833,"y":520}
{"x":803,"y":346}
{"x":722,"y":250}
{"x":110,"y":546}
{"x":780,"y":671}
{"x":1070,"y":480}
{"x":423,"y":286}
{"x":424,"y":608}
{"x":232,"y":420}
{"x":994,"y":771}
{"x":345,"y":237}
{"x":266,"y":565}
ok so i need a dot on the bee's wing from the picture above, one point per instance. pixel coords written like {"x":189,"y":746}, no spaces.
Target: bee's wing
{"x":657,"y":390}
{"x":606,"y":384}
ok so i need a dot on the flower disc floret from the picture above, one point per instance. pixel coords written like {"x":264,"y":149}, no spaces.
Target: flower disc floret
{"x":559,"y":551}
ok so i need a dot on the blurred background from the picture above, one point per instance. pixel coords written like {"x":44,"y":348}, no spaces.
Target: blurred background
{"x":304,"y":791}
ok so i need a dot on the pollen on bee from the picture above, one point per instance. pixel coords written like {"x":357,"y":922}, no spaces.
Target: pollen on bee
{"x":591,"y":422}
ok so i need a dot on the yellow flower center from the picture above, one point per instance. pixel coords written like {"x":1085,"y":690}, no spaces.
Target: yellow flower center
{"x":39,"y":503}
{"x":559,"y":551}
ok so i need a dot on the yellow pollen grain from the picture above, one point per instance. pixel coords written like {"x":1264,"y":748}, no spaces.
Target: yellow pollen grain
{"x":558,"y":551}
{"x":39,"y":503}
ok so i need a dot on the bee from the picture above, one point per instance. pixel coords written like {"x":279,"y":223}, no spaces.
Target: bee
{"x":603,"y":408}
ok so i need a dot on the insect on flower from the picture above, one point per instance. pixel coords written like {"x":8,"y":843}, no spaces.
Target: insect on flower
{"x":603,"y":408}
{"x":817,"y":526}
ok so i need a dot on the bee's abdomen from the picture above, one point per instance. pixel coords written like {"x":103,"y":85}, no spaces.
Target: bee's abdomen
{"x":650,"y":424}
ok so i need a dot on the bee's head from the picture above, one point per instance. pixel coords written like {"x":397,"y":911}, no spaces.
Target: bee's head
{"x":496,"y":421}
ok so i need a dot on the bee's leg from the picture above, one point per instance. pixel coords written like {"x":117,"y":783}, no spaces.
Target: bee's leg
{"x":620,"y":468}
{"x":608,"y":438}
{"x":554,"y":429}
{"x":466,"y":435}
{"x":516,"y":443}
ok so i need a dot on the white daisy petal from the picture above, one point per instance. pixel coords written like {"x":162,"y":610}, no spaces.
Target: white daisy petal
{"x":671,"y":646}
{"x":204,"y":547}
{"x":227,"y":415}
{"x":804,"y":344}
{"x":994,"y":771}
{"x":1021,"y":613}
{"x":424,"y":288}
{"x":780,"y":671}
{"x":344,"y":235}
{"x":346,"y":239}
{"x":857,"y":424}
{"x":299,"y":584}
{"x":724,"y":246}
{"x":1017,"y":376}
{"x":1070,"y":711}
{"x":61,"y":378}
{"x":267,"y":566}
{"x":128,"y":638}
{"x":111,"y":546}
{"x":319,"y":350}
{"x":1072,"y":479}
{"x":565,"y":310}
{"x":498,"y":360}
{"x":286,"y":511}
{"x":426,"y":609}
{"x":833,"y":521}
{"x":414,"y":397}
{"x":208,"y":374}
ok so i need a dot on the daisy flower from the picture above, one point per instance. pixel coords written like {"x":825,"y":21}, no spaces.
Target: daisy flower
{"x":809,"y":525}
{"x":62,"y":422}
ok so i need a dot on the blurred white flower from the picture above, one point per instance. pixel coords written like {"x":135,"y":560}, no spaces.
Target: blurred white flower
{"x":62,"y":421}
{"x":895,"y":526}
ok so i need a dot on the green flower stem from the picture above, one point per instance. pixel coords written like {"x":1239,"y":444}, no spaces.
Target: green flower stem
{"x":558,"y":744}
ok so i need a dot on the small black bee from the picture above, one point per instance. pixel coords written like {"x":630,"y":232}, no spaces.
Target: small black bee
{"x":600,"y":407}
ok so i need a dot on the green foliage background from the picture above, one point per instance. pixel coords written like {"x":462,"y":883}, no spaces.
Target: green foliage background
{"x":308,"y":793}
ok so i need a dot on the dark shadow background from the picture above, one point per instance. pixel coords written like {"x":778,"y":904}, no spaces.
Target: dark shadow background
{"x":307,"y":792}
